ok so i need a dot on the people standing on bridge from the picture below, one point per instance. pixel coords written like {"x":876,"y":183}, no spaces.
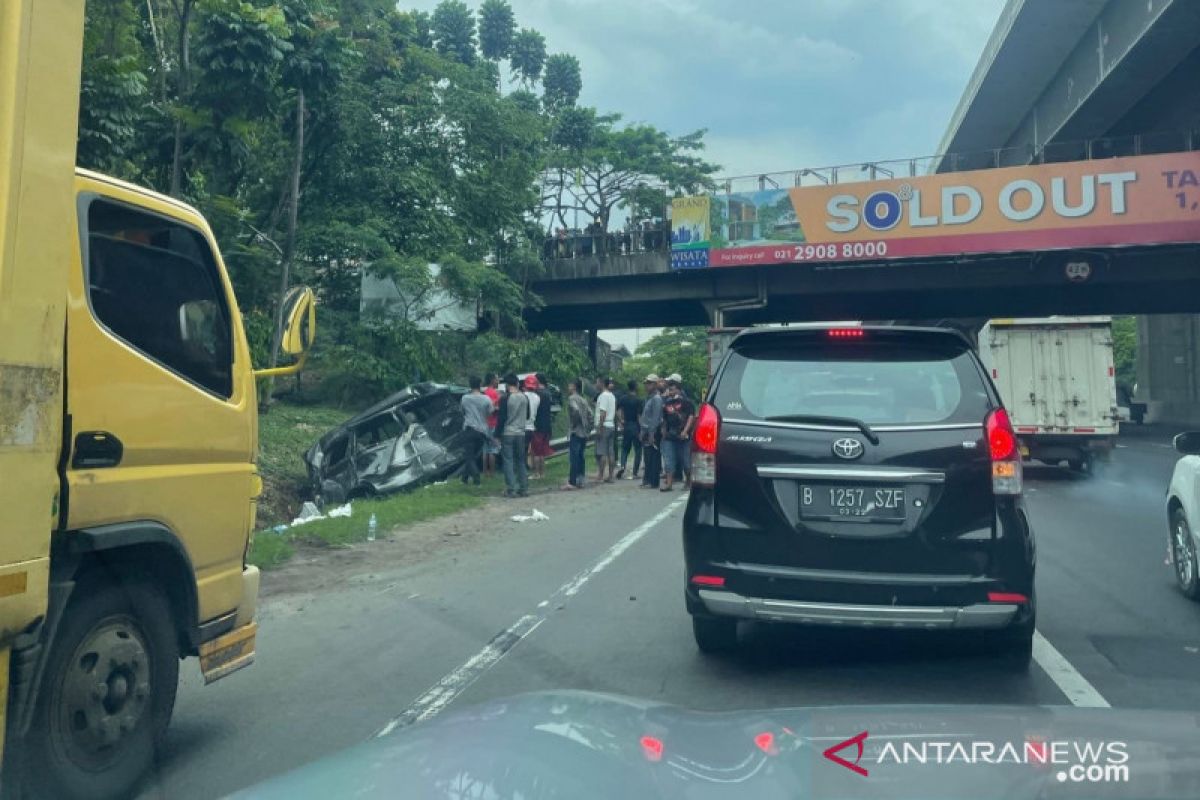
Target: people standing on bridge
{"x":514,"y":412}
{"x":476,"y":408}
{"x":629,"y":408}
{"x":606,"y":424}
{"x":491,"y":448}
{"x":540,"y":448}
{"x":579,"y":415}
{"x":678,"y":415}
{"x":650,"y":422}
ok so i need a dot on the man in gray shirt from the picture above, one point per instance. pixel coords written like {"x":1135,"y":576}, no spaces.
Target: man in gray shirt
{"x":651,"y":421}
{"x":476,"y":408}
{"x":514,"y":413}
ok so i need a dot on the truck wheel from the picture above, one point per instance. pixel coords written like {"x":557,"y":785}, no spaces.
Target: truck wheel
{"x":106,"y":694}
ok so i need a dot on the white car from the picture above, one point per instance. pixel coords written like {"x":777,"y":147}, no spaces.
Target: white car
{"x":1183,"y":513}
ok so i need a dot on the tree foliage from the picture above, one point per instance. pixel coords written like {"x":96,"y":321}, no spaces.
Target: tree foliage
{"x":528,"y":55}
{"x":497,"y":27}
{"x":454,"y":30}
{"x":562,"y":82}
{"x":412,"y":154}
{"x":598,"y":165}
{"x":682,"y":350}
{"x":1125,"y":344}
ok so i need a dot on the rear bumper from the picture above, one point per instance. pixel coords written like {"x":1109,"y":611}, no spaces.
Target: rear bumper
{"x":977,"y":616}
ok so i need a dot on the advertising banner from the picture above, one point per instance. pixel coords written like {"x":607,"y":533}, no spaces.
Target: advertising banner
{"x":690,"y":219}
{"x":1101,"y":203}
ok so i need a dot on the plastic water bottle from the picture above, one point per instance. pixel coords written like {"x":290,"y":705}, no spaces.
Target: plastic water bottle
{"x":372,"y":526}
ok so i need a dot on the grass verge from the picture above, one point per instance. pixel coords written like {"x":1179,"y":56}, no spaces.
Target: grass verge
{"x":271,"y":549}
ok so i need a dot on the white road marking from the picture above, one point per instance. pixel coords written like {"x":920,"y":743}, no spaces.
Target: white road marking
{"x":1076,"y":687}
{"x":455,"y":682}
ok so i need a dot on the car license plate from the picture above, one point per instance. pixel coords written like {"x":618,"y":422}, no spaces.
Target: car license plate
{"x":857,"y":503}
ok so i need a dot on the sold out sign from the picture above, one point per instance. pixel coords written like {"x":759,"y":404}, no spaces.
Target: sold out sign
{"x":1018,"y":200}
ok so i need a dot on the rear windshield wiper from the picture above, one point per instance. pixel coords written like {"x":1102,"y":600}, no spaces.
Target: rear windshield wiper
{"x":817,"y":419}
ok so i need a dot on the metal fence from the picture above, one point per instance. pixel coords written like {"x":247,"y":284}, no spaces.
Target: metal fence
{"x":654,"y":237}
{"x":646,"y":238}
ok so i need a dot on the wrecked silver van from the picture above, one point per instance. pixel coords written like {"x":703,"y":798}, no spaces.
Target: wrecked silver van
{"x":411,"y":437}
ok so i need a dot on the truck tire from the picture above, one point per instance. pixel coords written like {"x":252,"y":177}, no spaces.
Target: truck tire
{"x":106,"y":694}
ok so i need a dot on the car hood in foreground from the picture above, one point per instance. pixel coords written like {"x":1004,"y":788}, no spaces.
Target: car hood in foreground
{"x":581,"y":744}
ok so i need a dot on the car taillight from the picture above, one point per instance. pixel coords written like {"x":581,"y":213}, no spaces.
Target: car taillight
{"x":1004,"y":452}
{"x":846,"y":333}
{"x":704,"y":446}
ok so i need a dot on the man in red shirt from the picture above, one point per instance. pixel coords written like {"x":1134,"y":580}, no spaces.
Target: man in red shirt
{"x":491,"y":447}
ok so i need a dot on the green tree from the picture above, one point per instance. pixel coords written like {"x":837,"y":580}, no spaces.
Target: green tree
{"x":454,"y":30}
{"x":597,"y":166}
{"x":497,"y":27}
{"x":1125,"y":345}
{"x":113,"y":87}
{"x":682,"y":350}
{"x":562,"y":82}
{"x":528,"y":56}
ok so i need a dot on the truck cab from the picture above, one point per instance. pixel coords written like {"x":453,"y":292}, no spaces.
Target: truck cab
{"x":156,"y":494}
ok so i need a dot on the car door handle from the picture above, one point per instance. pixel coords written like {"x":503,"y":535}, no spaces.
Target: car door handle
{"x":96,"y":450}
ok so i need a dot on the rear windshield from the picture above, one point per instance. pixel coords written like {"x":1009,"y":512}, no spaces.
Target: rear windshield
{"x":874,"y":382}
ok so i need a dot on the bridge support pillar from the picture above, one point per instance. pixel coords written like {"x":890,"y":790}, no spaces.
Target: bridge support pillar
{"x":593,"y":340}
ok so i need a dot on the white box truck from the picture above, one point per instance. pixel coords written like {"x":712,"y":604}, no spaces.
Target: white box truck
{"x":1056,"y":377}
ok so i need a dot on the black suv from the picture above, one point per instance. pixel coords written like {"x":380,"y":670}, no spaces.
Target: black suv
{"x":864,"y":476}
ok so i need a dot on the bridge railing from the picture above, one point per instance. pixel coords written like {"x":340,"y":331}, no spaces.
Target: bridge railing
{"x":655,"y":238}
{"x":1081,"y":150}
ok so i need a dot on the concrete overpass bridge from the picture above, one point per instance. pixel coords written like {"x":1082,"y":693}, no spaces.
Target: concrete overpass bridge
{"x":1058,"y":82}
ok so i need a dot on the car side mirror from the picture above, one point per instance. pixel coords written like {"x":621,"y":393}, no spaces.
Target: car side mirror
{"x":299,"y":330}
{"x":1188,"y":443}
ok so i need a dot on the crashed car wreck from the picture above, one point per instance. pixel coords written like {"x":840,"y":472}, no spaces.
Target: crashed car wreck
{"x":411,"y":437}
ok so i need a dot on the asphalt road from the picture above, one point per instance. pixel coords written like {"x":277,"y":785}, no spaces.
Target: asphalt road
{"x":592,"y":599}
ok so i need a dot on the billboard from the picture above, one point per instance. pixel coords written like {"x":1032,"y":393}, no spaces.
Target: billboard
{"x":1101,"y":203}
{"x":690,"y":217}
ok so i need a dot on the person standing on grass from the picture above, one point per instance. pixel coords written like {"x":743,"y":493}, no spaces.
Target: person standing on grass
{"x":606,"y":425}
{"x":629,"y":409}
{"x":542,"y":425}
{"x":513,"y":414}
{"x":650,"y":423}
{"x":530,"y":387}
{"x":579,"y":415}
{"x":491,"y":448}
{"x":476,"y":408}
{"x":678,"y":415}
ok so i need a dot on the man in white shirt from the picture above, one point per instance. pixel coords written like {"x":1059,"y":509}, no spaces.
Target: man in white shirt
{"x":606,"y":425}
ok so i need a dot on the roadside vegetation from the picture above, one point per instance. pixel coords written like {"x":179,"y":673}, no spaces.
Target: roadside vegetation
{"x":329,"y":141}
{"x":288,"y":431}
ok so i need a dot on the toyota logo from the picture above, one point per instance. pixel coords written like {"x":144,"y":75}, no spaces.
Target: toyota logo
{"x":848,"y":448}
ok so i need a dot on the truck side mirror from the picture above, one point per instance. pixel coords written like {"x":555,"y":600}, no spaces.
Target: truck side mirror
{"x":1188,"y":443}
{"x":299,"y":330}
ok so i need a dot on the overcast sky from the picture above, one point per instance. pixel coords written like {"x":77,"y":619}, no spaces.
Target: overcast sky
{"x":778,"y":84}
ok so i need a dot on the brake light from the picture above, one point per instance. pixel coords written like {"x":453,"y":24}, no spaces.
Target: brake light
{"x":1001,"y":440}
{"x":846,"y":333}
{"x":1002,"y":447}
{"x":765,"y":741}
{"x":708,"y":580}
{"x":1007,"y":597}
{"x":704,"y":446}
{"x":652,"y":748}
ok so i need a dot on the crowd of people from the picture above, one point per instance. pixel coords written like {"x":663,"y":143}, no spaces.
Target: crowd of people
{"x":508,"y":425}
{"x":649,"y":235}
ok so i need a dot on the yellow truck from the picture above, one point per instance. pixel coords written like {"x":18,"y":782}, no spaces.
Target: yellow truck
{"x":128,"y":436}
